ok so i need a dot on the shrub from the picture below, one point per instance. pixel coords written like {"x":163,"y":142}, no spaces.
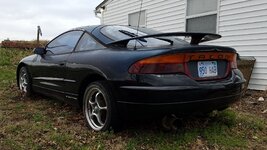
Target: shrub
{"x":22,"y":44}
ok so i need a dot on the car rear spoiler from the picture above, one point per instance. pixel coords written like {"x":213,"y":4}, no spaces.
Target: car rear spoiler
{"x":196,"y":38}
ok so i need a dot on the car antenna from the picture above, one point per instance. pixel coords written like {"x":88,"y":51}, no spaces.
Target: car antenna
{"x":138,"y":24}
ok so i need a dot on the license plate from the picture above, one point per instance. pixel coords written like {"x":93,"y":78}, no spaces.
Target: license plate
{"x":207,"y":69}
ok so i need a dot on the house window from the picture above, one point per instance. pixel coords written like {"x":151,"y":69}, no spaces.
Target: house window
{"x":134,"y":17}
{"x":201,"y":16}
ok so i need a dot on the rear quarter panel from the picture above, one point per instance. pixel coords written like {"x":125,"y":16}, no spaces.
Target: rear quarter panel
{"x":111,"y":64}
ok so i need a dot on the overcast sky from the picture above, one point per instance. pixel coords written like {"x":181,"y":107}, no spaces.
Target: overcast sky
{"x":20,"y":18}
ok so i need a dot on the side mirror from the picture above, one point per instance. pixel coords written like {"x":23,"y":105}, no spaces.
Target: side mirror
{"x":39,"y":51}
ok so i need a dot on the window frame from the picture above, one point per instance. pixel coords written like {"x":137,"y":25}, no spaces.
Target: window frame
{"x":140,"y":17}
{"x":217,"y":13}
{"x":46,"y":46}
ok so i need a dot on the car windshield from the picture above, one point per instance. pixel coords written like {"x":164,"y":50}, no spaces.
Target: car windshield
{"x":117,"y":33}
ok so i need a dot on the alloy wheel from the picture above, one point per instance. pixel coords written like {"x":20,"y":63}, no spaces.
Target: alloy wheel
{"x":96,"y":108}
{"x":23,"y":80}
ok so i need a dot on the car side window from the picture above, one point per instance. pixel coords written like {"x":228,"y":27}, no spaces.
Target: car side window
{"x":88,"y":43}
{"x":65,"y":43}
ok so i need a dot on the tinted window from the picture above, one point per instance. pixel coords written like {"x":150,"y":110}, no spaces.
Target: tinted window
{"x":117,"y":33}
{"x":113,"y":32}
{"x":88,"y":43}
{"x":65,"y":43}
{"x":121,"y":32}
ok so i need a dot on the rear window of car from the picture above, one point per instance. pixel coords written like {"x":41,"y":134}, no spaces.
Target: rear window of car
{"x":117,"y":33}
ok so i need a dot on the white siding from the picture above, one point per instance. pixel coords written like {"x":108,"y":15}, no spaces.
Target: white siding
{"x":242,"y":23}
{"x":162,"y":15}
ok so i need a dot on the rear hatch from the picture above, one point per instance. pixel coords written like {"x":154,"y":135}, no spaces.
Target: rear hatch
{"x":199,"y":62}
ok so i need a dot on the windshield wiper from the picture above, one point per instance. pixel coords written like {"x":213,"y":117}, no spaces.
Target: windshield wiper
{"x":142,"y":39}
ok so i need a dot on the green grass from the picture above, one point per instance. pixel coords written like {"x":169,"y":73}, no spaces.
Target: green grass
{"x":220,"y":134}
{"x":42,"y":123}
{"x":9,"y":58}
{"x":7,"y":77}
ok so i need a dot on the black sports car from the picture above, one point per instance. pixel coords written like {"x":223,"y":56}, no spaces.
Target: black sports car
{"x":112,"y":70}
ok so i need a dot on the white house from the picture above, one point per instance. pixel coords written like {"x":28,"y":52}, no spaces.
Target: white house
{"x":242,"y":23}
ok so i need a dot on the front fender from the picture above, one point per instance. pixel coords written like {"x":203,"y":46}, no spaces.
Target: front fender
{"x":26,"y":61}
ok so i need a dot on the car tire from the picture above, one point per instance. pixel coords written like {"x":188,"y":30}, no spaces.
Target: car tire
{"x":99,"y":107}
{"x":24,"y":81}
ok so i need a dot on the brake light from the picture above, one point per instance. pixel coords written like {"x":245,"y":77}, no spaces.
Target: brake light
{"x":177,"y":63}
{"x":233,"y":61}
{"x":165,"y":64}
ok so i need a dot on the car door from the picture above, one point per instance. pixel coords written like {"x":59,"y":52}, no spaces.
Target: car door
{"x":49,"y":69}
{"x":81,"y":63}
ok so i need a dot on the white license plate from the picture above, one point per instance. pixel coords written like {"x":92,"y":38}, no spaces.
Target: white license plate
{"x":207,"y":69}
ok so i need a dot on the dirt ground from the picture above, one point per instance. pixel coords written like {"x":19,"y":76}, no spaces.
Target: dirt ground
{"x":251,"y":103}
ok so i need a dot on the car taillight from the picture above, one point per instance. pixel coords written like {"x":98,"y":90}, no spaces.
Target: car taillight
{"x":164,"y":64}
{"x":177,"y":63}
{"x":233,"y":61}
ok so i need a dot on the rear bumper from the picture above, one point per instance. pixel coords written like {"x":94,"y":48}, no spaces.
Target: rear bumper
{"x":203,"y":97}
{"x":194,"y":106}
{"x":189,"y":100}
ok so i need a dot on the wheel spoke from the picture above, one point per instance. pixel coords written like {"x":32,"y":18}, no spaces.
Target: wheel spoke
{"x":92,"y":115}
{"x":92,"y":103}
{"x":24,"y":84}
{"x":98,"y":117}
{"x":99,"y":99}
{"x":103,"y":108}
{"x":98,"y":96}
{"x":90,"y":107}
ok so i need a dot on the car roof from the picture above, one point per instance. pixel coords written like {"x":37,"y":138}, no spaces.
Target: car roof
{"x":90,"y":28}
{"x":87,"y":28}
